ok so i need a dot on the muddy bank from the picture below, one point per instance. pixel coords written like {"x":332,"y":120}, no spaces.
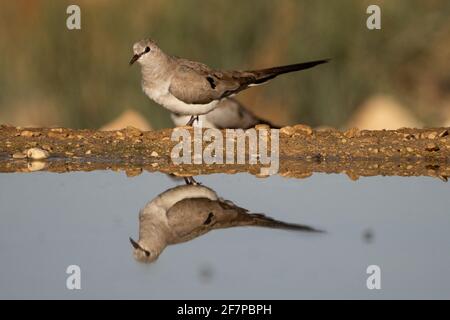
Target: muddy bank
{"x":303,"y":151}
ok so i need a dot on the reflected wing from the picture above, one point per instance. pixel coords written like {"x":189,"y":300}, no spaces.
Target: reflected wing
{"x":191,"y":218}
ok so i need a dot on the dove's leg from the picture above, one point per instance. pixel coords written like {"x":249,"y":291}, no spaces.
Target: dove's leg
{"x":191,"y":121}
{"x":191,"y":181}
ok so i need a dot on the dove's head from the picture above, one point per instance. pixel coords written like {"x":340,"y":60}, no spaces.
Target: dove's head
{"x":146,"y":52}
{"x":142,"y":253}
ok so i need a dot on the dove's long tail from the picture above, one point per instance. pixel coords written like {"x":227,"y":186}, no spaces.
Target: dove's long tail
{"x":261,"y":220}
{"x":264,"y":75}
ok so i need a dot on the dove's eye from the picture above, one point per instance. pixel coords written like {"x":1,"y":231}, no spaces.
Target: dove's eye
{"x":147,"y":253}
{"x":147,"y":49}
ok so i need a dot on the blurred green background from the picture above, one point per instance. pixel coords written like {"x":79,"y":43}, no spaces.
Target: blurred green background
{"x":81,"y":78}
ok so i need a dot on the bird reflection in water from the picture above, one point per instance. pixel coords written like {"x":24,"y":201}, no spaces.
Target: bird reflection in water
{"x":188,"y":211}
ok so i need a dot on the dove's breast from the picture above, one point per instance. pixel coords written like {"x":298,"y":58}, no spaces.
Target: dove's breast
{"x":161,"y":95}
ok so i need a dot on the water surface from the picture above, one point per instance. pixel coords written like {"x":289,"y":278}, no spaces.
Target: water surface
{"x":50,"y":221}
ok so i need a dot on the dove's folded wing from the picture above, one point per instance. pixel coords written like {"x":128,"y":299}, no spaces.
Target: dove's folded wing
{"x":195,"y":83}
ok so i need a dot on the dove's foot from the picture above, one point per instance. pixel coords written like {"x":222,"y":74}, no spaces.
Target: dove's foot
{"x":191,"y":121}
{"x":191,"y":181}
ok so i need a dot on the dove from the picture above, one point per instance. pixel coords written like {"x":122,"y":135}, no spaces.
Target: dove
{"x":191,"y":88}
{"x":188,"y":211}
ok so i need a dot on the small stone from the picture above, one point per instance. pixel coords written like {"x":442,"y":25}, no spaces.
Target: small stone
{"x":408,"y":136}
{"x":154,"y":164}
{"x":409,"y":149}
{"x":28,"y":134}
{"x":36,"y":165}
{"x":344,"y":140}
{"x":154,"y":154}
{"x":432,"y":167}
{"x":88,"y":152}
{"x":432,"y":147}
{"x":302,"y":127}
{"x":262,"y":127}
{"x":304,"y":175}
{"x":134,"y":132}
{"x":432,"y":135}
{"x":53,"y":134}
{"x":352,"y":175}
{"x":19,"y":155}
{"x":133,"y":172}
{"x":289,"y":131}
{"x":47,"y":147}
{"x":37,"y":154}
{"x":351,"y":133}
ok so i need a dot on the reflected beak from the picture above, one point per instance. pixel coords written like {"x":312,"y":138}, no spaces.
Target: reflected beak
{"x":135,"y":244}
{"x":134,"y":59}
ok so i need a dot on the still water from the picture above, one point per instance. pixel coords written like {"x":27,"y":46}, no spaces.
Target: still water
{"x":49,"y":221}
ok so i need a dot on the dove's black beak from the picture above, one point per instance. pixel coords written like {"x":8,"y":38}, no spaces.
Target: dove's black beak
{"x":134,"y":59}
{"x":135,"y":244}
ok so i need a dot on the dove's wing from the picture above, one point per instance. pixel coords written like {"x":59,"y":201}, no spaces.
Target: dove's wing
{"x":196,"y":83}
